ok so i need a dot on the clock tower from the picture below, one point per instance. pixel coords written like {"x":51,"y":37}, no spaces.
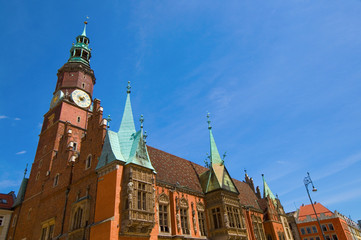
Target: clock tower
{"x":62,"y":171}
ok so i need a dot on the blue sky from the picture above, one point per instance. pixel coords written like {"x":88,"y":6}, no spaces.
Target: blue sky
{"x":281,"y":80}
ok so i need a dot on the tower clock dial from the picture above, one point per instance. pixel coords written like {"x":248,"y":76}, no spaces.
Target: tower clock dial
{"x":81,"y":98}
{"x":56,"y":98}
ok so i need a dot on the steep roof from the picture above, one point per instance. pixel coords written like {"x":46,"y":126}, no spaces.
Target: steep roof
{"x":246,"y":194}
{"x":172,"y":170}
{"x":6,"y":200}
{"x":307,"y":210}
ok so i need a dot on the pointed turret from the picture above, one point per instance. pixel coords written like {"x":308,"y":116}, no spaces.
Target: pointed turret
{"x":138,"y":153}
{"x":267,"y":191}
{"x":127,"y":131}
{"x":217,"y":177}
{"x":22,"y":189}
{"x":80,"y":51}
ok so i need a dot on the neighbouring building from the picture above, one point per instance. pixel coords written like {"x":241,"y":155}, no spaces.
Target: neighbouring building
{"x":6,"y":203}
{"x":334,"y":225}
{"x":90,"y":181}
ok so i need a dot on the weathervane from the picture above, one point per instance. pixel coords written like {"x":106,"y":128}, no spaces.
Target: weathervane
{"x":108,"y":121}
{"x":209,"y":121}
{"x":128,"y":87}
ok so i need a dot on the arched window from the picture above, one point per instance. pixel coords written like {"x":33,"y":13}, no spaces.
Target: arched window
{"x":163,"y":213}
{"x":77,"y":218}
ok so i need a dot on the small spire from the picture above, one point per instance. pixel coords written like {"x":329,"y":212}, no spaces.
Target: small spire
{"x":128,"y":87}
{"x":26,"y":170}
{"x":108,"y":121}
{"x":141,"y":120}
{"x":209,"y":121}
{"x":85,"y":23}
{"x":245,"y":171}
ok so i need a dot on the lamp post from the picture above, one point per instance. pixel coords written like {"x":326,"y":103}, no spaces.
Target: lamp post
{"x":307,"y":181}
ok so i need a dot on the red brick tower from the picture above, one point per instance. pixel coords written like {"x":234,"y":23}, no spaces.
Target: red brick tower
{"x":53,"y":183}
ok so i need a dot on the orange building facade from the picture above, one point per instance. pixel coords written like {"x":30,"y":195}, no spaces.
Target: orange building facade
{"x":334,"y":225}
{"x":88,"y":181}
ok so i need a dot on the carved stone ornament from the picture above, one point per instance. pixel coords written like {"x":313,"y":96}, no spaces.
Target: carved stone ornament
{"x":163,"y":198}
{"x":178,"y":221}
{"x":183,"y":203}
{"x":130,"y":189}
{"x":226,"y":222}
{"x":200,"y":206}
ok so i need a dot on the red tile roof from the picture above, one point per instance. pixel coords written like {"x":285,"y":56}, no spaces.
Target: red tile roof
{"x":172,"y":170}
{"x":307,"y":210}
{"x":6,"y":200}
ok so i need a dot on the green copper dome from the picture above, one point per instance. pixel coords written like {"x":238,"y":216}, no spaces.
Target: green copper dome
{"x":80,"y":51}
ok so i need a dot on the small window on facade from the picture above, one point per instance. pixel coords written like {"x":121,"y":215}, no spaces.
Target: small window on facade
{"x":37,"y":176}
{"x":1,"y":220}
{"x":308,"y":230}
{"x":78,"y":119}
{"x":328,"y":237}
{"x":303,"y":232}
{"x":324,"y":228}
{"x":56,"y":180}
{"x":88,"y":162}
{"x":74,"y":146}
{"x":314,"y":229}
{"x":4,"y":201}
{"x":317,"y":238}
{"x":142,"y":197}
{"x":334,"y":237}
{"x":83,"y":85}
{"x":311,"y":238}
{"x":330,"y":226}
{"x":305,"y":239}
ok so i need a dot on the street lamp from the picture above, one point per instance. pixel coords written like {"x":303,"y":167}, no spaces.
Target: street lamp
{"x":307,"y":181}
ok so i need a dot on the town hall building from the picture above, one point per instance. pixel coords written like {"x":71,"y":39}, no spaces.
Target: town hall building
{"x":89,"y":181}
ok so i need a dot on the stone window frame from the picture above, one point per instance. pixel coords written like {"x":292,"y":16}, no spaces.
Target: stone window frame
{"x":330,"y":227}
{"x":47,"y":229}
{"x":216,"y":216}
{"x":258,"y":226}
{"x":163,"y":200}
{"x":202,"y":222}
{"x":142,"y":196}
{"x":75,"y":222}
{"x":314,"y":229}
{"x":184,"y":216}
{"x":2,"y":220}
{"x":303,"y":231}
{"x":308,"y":229}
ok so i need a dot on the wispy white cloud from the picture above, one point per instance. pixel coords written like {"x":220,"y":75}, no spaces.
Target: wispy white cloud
{"x":3,"y":116}
{"x":9,"y":183}
{"x":343,"y":197}
{"x":21,"y":152}
{"x":17,"y":119}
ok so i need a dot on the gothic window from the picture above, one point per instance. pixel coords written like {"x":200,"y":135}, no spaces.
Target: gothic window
{"x":142,"y":197}
{"x":184,"y":220}
{"x":202,"y":223}
{"x":47,"y":229}
{"x":230,"y":217}
{"x":330,"y":226}
{"x":88,"y":161}
{"x":163,"y":218}
{"x":77,"y":218}
{"x":217,"y":219}
{"x":324,"y":228}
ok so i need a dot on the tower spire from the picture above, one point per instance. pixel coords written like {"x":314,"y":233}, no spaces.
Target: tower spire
{"x":80,"y":51}
{"x":215,"y":157}
{"x":266,"y":190}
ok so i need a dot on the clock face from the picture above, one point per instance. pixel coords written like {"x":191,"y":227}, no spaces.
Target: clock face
{"x":56,"y":98}
{"x":81,"y":98}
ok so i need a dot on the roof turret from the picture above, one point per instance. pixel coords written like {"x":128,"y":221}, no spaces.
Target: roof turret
{"x":80,"y":51}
